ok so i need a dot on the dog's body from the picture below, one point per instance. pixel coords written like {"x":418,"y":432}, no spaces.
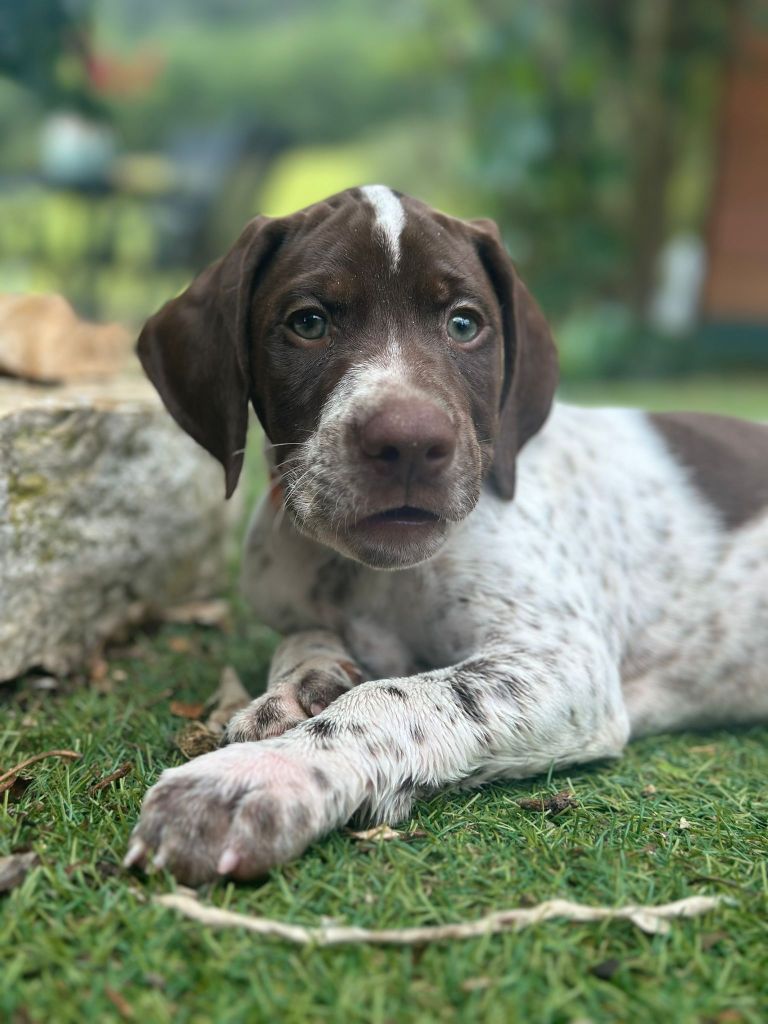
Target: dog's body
{"x":623,"y":591}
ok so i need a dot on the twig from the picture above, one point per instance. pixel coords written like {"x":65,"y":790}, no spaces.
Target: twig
{"x":651,"y":919}
{"x":11,"y":774}
{"x":118,"y":773}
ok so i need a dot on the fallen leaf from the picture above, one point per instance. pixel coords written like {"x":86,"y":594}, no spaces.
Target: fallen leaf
{"x":684,"y":824}
{"x":377,"y":834}
{"x":119,"y":1002}
{"x":229,"y":697}
{"x":18,"y":787}
{"x":196,"y":739}
{"x":42,"y":338}
{"x":552,"y":805}
{"x":214,"y":613}
{"x":98,"y":669}
{"x":649,"y":790}
{"x":180,"y":644}
{"x":710,"y":939}
{"x":15,"y":868}
{"x":606,"y":969}
{"x":705,"y":748}
{"x":183,"y":710}
{"x":476,"y":984}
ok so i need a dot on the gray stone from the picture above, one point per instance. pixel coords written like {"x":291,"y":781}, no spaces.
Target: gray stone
{"x":108,"y":513}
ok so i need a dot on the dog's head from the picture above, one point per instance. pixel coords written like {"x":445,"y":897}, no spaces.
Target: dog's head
{"x":392,"y":354}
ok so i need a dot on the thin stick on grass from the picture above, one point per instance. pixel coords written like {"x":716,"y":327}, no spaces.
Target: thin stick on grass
{"x":119,"y":773}
{"x":7,"y":778}
{"x":650,"y":919}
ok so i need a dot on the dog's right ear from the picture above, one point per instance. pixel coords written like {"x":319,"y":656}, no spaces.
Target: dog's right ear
{"x":195,"y":350}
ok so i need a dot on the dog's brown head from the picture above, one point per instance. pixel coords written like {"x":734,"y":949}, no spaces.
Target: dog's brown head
{"x":392,"y":354}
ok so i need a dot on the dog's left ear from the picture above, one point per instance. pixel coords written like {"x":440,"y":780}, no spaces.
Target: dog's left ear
{"x":195,"y":350}
{"x":530,"y":358}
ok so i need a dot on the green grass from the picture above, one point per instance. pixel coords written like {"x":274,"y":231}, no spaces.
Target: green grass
{"x":80,"y":940}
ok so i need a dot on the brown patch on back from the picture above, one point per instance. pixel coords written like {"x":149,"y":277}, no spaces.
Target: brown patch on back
{"x":728,"y":460}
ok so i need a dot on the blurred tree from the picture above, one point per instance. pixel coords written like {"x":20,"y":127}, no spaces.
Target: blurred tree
{"x":584,"y":126}
{"x":44,"y":46}
{"x":581,"y":114}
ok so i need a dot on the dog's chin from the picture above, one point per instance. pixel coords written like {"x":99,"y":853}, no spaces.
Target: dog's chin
{"x":395,"y":539}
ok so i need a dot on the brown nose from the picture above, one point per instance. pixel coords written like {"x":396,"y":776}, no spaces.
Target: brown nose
{"x":406,"y":439}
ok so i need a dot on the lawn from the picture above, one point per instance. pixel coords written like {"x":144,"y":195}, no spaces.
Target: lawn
{"x":81,"y":940}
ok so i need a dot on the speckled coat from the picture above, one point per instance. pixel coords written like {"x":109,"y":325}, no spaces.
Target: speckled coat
{"x":623,"y":591}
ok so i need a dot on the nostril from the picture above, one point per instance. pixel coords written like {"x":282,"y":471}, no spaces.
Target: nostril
{"x":438,"y":453}
{"x":388,"y":453}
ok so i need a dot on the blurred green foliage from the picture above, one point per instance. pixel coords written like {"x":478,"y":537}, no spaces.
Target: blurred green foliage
{"x":585,"y":127}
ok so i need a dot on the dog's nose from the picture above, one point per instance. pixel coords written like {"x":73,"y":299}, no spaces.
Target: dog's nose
{"x":404,"y":439}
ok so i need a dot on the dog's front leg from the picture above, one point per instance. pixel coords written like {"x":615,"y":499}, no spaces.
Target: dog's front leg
{"x":309,"y":670}
{"x":250,"y":806}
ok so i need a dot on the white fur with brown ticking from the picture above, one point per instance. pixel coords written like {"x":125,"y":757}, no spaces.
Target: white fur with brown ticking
{"x":461,"y":601}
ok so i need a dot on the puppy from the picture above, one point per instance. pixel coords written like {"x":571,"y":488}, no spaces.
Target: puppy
{"x":472,"y":582}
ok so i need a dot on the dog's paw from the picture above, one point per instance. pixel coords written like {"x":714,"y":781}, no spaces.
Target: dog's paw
{"x":237,"y":812}
{"x":269,"y":715}
{"x":306,"y":692}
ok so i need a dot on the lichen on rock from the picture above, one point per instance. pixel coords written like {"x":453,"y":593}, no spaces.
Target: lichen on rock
{"x":107,"y":512}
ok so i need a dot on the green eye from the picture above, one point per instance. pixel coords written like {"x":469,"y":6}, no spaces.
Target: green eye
{"x":308,"y":324}
{"x":463,"y":327}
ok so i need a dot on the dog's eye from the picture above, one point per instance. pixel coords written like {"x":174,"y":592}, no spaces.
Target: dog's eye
{"x":308,"y":324}
{"x":463,"y":327}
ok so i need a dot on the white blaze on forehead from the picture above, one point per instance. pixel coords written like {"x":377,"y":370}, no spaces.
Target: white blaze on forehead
{"x":390,"y":217}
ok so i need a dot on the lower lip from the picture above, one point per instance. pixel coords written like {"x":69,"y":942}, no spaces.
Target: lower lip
{"x":399,"y":517}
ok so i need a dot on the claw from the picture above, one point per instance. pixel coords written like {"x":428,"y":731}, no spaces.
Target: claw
{"x":136,"y":853}
{"x":228,"y":861}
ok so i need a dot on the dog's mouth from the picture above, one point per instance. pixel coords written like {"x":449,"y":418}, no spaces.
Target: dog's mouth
{"x":403,"y":515}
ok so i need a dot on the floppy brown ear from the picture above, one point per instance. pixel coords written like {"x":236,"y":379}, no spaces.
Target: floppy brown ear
{"x":530,"y":359}
{"x":195,"y":349}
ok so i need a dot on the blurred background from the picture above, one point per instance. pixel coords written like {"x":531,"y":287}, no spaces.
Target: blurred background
{"x":622,"y":147}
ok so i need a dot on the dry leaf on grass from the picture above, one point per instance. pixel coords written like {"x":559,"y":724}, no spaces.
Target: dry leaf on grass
{"x":214,"y":614}
{"x":15,"y":868}
{"x":552,"y":805}
{"x":476,"y":984}
{"x":383,"y":833}
{"x":119,"y":1002}
{"x":606,"y":969}
{"x":650,"y":919}
{"x":43,"y":339}
{"x":196,"y":739}
{"x":182,"y":709}
{"x":377,"y":834}
{"x":180,"y":644}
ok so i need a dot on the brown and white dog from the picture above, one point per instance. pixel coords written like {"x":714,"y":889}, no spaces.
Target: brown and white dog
{"x":398,"y":366}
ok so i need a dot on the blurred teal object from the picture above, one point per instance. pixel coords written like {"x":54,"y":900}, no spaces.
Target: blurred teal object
{"x":76,"y":152}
